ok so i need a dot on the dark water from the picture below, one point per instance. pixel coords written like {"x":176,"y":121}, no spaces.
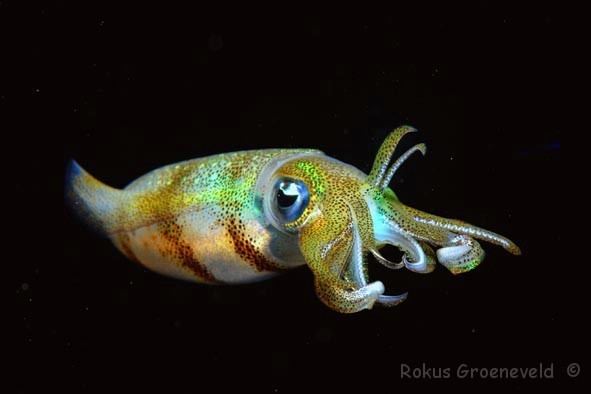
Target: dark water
{"x":147,"y":87}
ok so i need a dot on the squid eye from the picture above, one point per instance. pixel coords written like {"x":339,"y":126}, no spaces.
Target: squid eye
{"x":290,"y":199}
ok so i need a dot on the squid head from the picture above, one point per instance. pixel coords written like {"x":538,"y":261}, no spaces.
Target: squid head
{"x":340,"y":215}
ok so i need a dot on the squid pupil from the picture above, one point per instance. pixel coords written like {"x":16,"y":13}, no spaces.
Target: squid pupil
{"x":285,"y":200}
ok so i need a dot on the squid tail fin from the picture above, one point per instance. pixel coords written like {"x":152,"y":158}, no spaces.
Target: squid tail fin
{"x":95,"y":203}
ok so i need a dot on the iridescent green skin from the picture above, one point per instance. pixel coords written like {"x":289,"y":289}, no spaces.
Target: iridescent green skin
{"x":213,"y":220}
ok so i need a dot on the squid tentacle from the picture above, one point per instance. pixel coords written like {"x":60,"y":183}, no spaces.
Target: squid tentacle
{"x":357,"y":271}
{"x":347,"y":300}
{"x":358,"y":274}
{"x":391,"y":300}
{"x":384,"y":155}
{"x":392,"y":234}
{"x":465,"y":254}
{"x":356,"y":268}
{"x":394,"y":167}
{"x":334,"y":291}
{"x":385,"y":262}
{"x":459,"y":251}
{"x":430,"y":261}
{"x":454,"y":226}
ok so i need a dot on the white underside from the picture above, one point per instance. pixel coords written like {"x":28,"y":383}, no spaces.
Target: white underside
{"x":211,"y":246}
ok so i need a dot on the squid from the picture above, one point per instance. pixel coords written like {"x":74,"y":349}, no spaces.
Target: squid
{"x":246,"y":216}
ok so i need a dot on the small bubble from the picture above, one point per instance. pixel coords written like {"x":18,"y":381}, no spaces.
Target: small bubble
{"x":25,"y":286}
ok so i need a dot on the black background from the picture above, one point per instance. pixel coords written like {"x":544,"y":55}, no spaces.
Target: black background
{"x":136,"y":87}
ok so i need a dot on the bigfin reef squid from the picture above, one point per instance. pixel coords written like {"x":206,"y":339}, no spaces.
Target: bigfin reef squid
{"x":246,"y":216}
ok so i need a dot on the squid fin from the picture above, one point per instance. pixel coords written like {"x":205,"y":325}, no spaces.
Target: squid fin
{"x":92,"y":201}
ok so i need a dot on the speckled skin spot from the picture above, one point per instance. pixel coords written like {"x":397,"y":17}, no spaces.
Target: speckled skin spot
{"x":214,"y":220}
{"x":180,"y":251}
{"x":246,"y":250}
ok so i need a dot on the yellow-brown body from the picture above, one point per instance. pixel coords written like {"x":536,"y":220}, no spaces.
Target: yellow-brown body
{"x":244,"y":216}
